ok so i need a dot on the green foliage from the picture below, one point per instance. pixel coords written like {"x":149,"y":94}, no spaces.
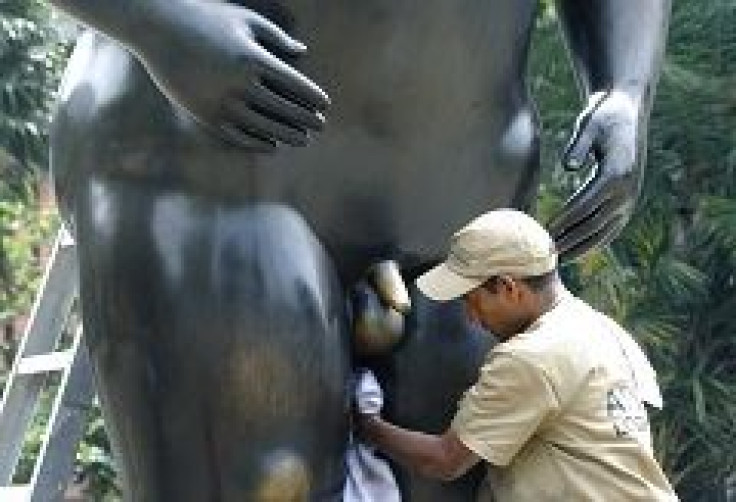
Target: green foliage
{"x":30,"y":61}
{"x":669,"y":278}
{"x":95,"y":465}
{"x":30,"y":58}
{"x":36,"y":430}
{"x":24,"y":227}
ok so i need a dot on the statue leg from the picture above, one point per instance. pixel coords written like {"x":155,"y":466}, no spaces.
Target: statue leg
{"x":425,"y":377}
{"x":219,"y":342}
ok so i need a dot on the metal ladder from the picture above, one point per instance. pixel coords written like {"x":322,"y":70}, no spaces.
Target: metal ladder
{"x":34,"y":361}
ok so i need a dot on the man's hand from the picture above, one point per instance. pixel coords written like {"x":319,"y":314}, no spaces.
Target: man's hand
{"x":221,"y":63}
{"x":606,"y":133}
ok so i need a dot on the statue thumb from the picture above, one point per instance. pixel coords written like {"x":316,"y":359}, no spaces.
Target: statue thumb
{"x":578,"y":150}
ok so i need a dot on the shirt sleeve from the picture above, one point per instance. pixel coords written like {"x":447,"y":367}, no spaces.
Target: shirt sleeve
{"x":505,"y":407}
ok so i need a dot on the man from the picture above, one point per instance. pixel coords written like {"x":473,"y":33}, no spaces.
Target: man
{"x":558,"y":409}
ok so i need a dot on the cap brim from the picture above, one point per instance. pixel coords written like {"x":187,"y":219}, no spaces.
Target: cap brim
{"x":442,"y":284}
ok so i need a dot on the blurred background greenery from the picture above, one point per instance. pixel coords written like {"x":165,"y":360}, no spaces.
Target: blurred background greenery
{"x":669,"y":278}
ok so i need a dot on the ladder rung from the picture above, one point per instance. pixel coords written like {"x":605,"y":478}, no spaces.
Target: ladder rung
{"x":65,"y":237}
{"x":44,"y":363}
{"x":19,"y":493}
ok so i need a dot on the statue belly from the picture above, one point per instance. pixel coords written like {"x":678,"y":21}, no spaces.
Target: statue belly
{"x":430,"y":122}
{"x":430,"y":125}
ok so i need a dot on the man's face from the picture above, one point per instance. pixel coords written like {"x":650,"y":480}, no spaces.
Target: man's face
{"x":497,"y":308}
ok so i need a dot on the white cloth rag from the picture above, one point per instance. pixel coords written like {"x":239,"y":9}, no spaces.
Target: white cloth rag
{"x":369,"y":476}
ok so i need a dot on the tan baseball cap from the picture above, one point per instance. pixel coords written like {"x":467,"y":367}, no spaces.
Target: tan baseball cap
{"x":499,"y":242}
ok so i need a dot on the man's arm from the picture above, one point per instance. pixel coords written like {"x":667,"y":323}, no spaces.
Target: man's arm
{"x":496,"y":417}
{"x":444,"y":457}
{"x":617,"y":48}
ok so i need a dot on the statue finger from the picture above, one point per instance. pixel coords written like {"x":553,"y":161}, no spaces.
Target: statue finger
{"x":287,"y":81}
{"x":272,"y":36}
{"x":385,"y":276}
{"x":288,"y":112}
{"x":589,"y":196}
{"x":579,"y":149}
{"x":241,"y":139}
{"x":602,"y":237}
{"x":591,"y":225}
{"x":266,"y":126}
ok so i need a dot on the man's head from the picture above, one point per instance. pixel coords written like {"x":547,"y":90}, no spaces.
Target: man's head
{"x":504,"y":264}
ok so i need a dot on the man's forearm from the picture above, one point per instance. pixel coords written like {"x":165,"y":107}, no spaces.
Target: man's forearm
{"x":427,"y":454}
{"x":617,"y":44}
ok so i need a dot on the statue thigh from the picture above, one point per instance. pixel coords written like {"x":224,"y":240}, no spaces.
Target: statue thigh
{"x":220,"y":346}
{"x":425,"y":377}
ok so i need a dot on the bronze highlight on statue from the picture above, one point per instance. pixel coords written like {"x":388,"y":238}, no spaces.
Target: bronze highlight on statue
{"x":230,"y":171}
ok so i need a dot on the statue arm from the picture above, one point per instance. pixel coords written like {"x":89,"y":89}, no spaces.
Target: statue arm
{"x":616,"y":44}
{"x":241,"y":91}
{"x":617,"y":49}
{"x":118,"y":19}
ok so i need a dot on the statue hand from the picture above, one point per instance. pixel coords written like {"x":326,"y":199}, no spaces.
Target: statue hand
{"x":606,"y":133}
{"x":380,"y":302}
{"x":217,"y":61}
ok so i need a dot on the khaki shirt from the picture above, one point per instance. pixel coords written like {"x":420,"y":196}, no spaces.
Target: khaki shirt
{"x":558,"y":413}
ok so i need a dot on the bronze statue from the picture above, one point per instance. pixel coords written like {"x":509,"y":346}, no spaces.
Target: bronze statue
{"x":224,"y":205}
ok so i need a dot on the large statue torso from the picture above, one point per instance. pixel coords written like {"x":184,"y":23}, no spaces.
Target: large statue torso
{"x":204,"y":289}
{"x":430,"y":125}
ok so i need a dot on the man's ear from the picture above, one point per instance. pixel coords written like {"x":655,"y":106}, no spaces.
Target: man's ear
{"x":471,"y":300}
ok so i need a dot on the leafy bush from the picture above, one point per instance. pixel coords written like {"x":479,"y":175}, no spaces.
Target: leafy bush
{"x":669,"y":278}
